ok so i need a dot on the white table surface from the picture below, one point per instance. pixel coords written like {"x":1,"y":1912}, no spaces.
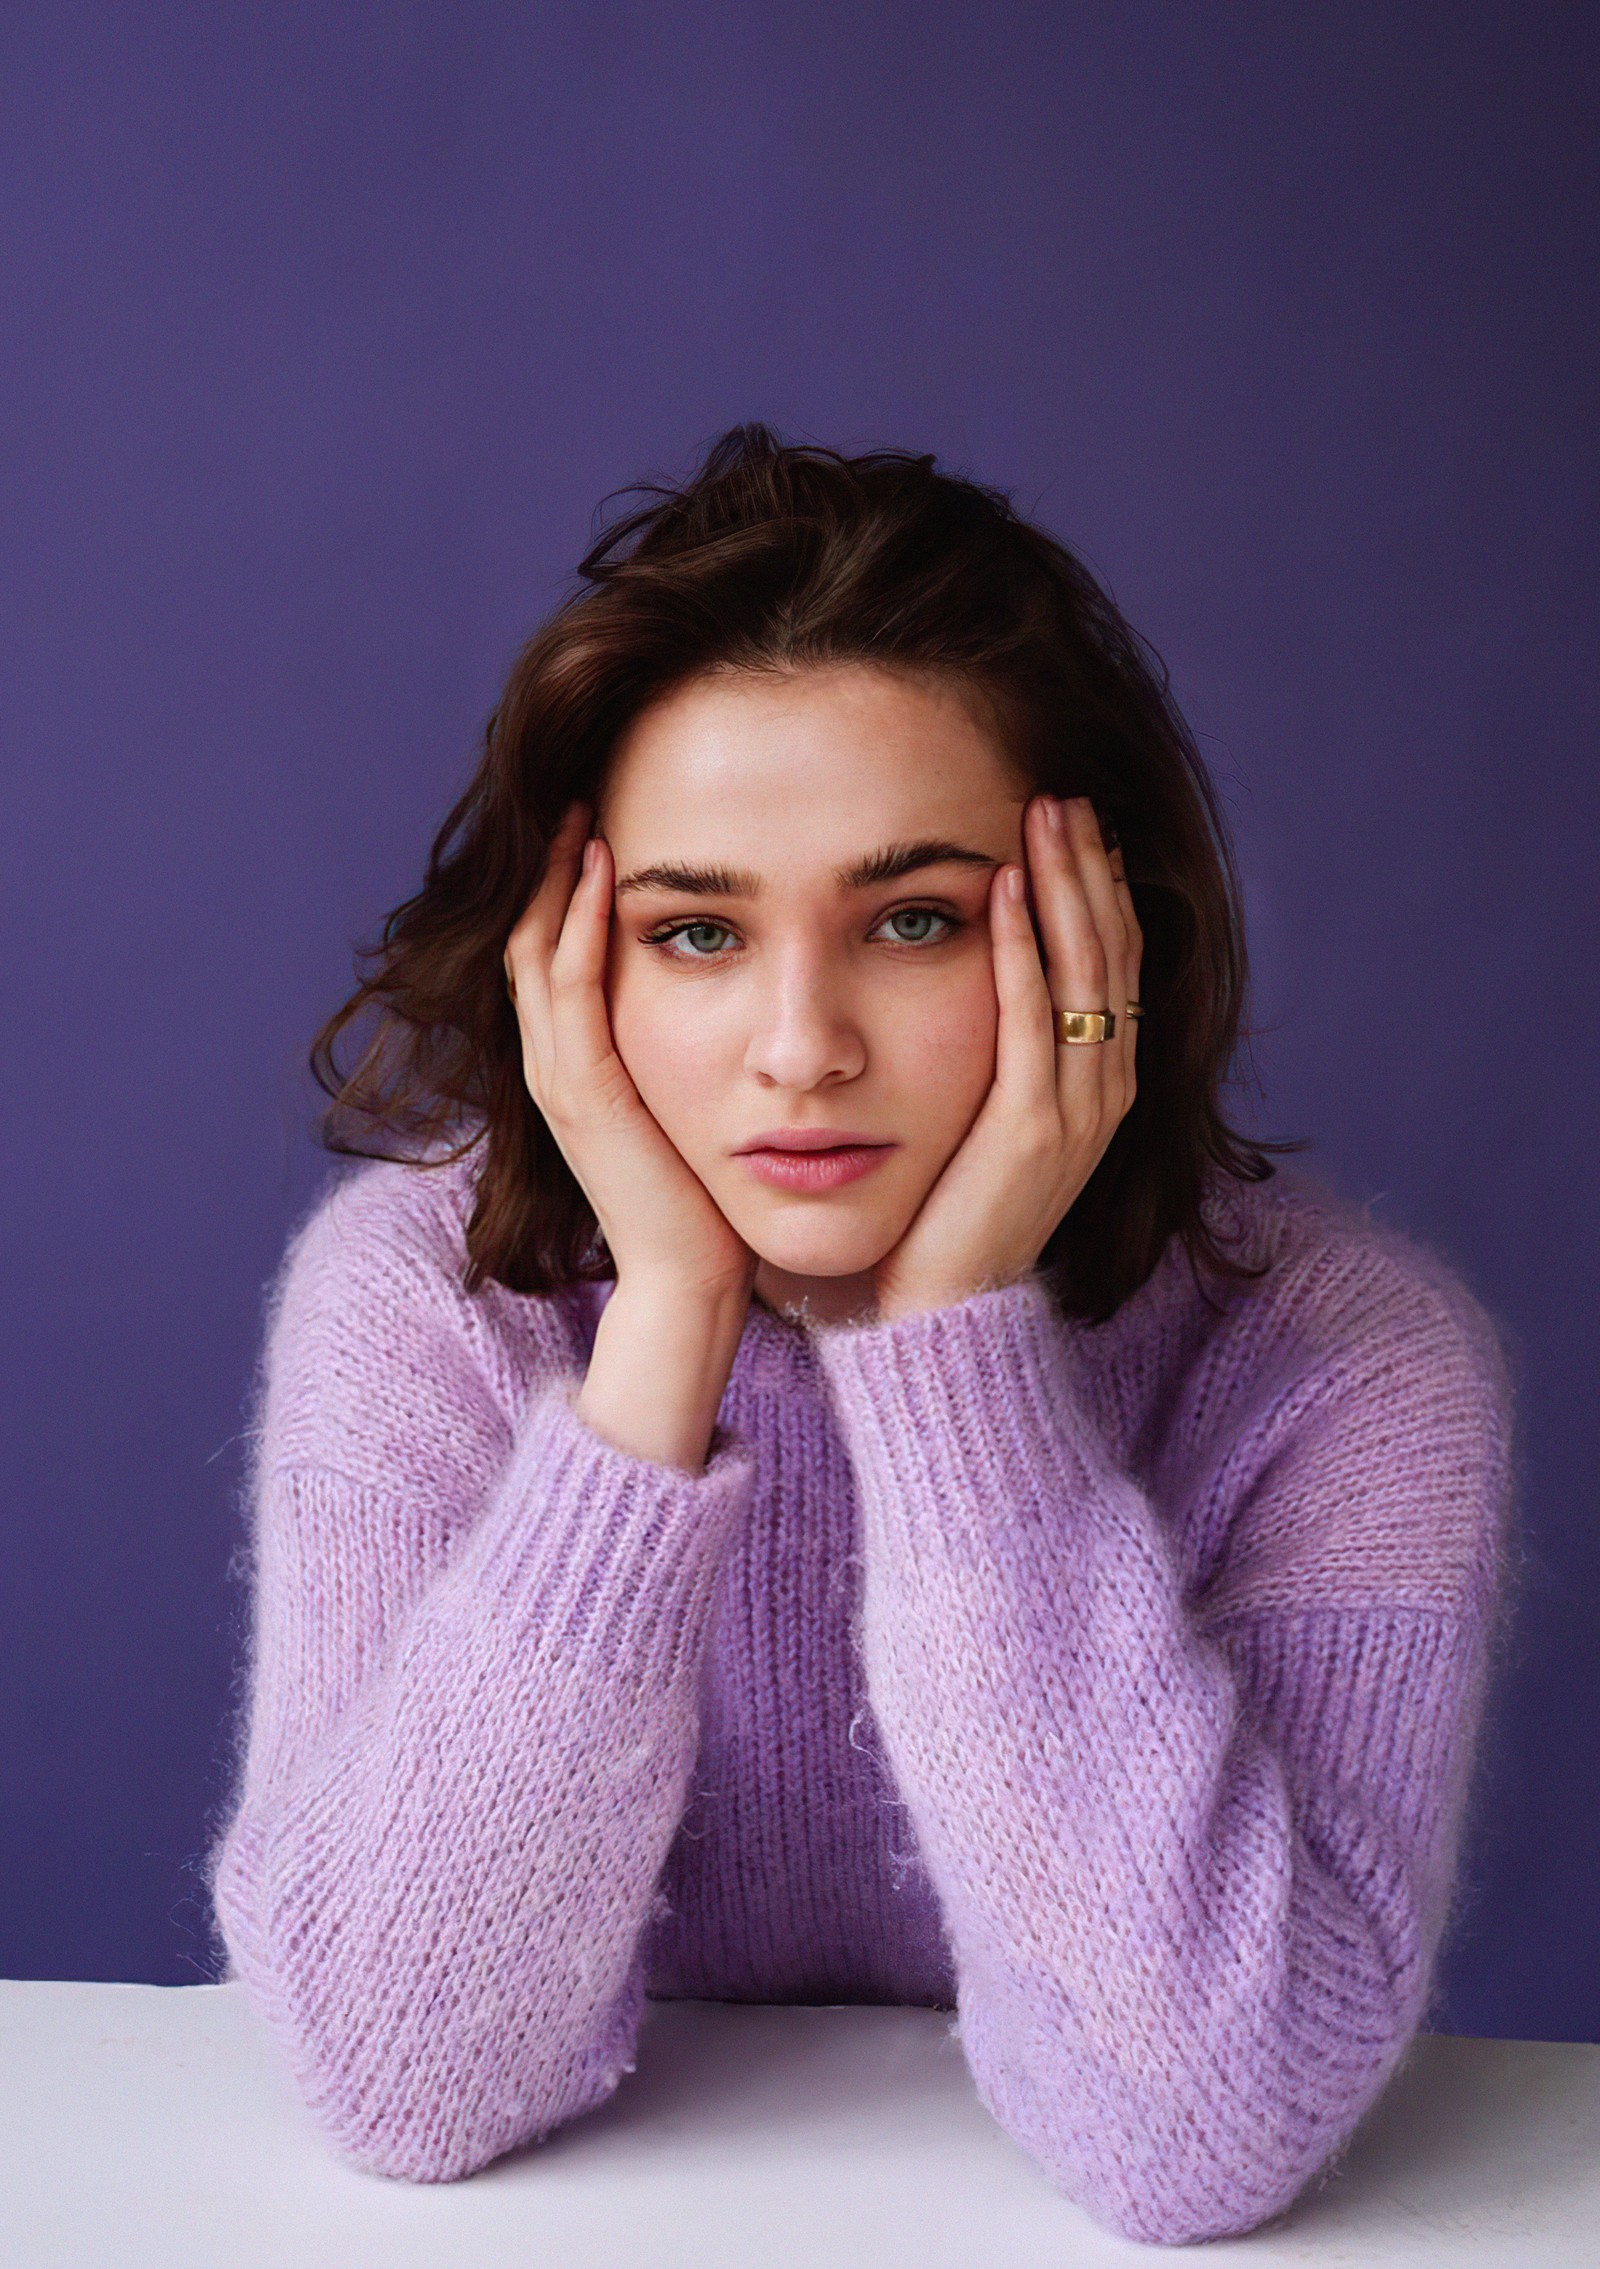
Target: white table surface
{"x":149,"y":2125}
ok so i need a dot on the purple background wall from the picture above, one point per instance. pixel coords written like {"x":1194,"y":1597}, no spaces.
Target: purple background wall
{"x":326,"y":327}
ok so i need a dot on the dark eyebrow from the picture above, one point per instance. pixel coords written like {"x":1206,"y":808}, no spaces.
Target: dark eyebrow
{"x":887,"y":865}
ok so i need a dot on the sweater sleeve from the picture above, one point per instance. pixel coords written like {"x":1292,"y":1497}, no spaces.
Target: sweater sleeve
{"x":1193,"y":1843}
{"x":472,"y":1714}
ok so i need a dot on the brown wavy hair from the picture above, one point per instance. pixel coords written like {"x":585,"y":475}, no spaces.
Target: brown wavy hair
{"x":775,"y":556}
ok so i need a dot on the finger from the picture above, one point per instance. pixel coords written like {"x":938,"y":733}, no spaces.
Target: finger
{"x":1075,"y":948}
{"x":530,"y":956}
{"x":533,"y":940}
{"x":1024,"y":1061}
{"x":1079,"y":975}
{"x":1100,"y":887}
{"x":1132,"y":966}
{"x":580,"y":1021}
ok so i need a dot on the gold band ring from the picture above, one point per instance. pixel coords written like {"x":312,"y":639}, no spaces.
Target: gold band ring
{"x":1087,"y":1027}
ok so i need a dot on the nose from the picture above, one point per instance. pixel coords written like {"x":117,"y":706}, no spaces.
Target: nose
{"x":804,"y":1034}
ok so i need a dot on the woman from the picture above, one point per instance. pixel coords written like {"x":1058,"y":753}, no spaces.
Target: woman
{"x":799,"y":1477}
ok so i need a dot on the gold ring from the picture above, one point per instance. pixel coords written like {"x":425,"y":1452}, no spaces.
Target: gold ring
{"x":1133,"y":1009}
{"x":1082,"y":1027}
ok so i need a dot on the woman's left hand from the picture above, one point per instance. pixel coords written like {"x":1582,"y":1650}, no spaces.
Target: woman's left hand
{"x":1052,"y":1108}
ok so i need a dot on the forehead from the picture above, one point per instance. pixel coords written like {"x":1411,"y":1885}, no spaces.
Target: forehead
{"x":820,"y":762}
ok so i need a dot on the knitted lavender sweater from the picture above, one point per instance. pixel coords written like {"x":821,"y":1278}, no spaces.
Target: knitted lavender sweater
{"x":1115,"y":1687}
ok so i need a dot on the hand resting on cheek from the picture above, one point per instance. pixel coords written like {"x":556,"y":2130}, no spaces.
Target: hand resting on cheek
{"x":1052,"y":1109}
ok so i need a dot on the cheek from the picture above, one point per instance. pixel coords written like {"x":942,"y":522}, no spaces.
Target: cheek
{"x":673,"y":1048}
{"x":940,"y":1050}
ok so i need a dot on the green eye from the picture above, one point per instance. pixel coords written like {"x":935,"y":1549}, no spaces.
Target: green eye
{"x":704,"y":940}
{"x":707,"y":941}
{"x":920,"y":919}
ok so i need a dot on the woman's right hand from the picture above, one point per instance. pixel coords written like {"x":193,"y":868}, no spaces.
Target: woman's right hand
{"x":666,"y":1234}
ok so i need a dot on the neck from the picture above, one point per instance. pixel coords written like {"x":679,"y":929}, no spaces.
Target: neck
{"x":816,"y":1299}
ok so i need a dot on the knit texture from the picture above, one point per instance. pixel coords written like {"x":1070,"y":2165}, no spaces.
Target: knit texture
{"x":1117,"y":1688}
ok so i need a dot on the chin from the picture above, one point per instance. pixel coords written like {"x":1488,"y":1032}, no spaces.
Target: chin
{"x":819,"y":1246}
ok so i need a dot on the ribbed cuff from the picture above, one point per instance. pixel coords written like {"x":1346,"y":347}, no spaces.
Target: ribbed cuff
{"x":972,"y":1391}
{"x":602,"y":1553}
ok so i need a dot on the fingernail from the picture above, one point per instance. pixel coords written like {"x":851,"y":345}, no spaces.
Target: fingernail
{"x":1014,"y":885}
{"x":591,"y":851}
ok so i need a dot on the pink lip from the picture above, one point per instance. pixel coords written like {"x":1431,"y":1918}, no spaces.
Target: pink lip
{"x":808,"y":1138}
{"x":813,"y":1158}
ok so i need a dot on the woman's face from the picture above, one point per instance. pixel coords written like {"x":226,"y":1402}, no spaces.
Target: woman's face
{"x":800,"y":943}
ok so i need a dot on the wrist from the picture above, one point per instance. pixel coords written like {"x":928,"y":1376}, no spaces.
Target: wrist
{"x":661,"y":1359}
{"x":708,"y":1313}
